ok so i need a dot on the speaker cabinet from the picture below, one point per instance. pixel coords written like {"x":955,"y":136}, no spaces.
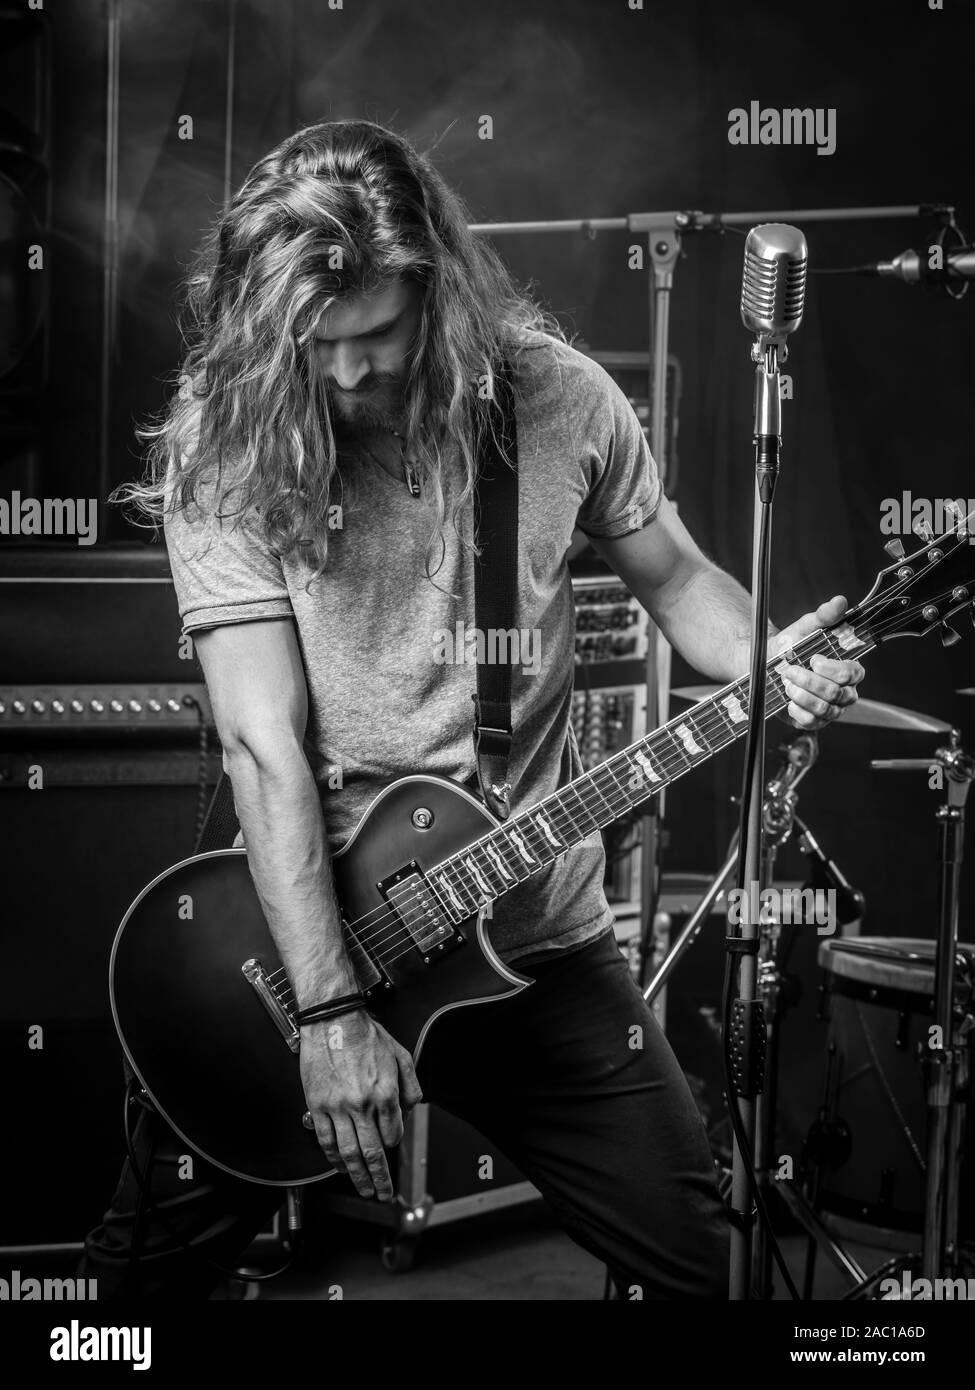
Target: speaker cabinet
{"x":75,"y":858}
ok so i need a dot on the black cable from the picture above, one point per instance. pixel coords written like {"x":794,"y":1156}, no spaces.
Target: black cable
{"x":142,"y":1180}
{"x":132,"y":1273}
{"x":202,"y":799}
{"x":842,"y":270}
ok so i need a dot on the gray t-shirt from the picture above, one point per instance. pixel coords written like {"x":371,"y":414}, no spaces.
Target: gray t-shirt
{"x":389,"y":694}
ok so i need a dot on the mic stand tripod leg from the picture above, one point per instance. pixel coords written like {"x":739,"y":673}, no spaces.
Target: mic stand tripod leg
{"x":693,"y":925}
{"x":943,"y":1063}
{"x":956,"y":1138}
{"x":769,"y":983}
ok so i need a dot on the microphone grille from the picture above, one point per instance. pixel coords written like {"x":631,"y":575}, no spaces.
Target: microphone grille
{"x":773,"y":286}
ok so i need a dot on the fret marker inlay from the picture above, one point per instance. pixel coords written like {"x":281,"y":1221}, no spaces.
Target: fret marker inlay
{"x":546,"y":830}
{"x":498,"y":862}
{"x":478,"y":876}
{"x":447,"y":887}
{"x":846,"y":637}
{"x":522,"y":848}
{"x":647,"y":765}
{"x":688,"y":739}
{"x":735,"y":712}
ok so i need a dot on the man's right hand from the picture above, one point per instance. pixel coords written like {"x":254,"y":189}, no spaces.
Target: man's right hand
{"x":360,"y":1085}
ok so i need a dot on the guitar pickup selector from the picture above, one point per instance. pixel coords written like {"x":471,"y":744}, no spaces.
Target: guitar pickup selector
{"x":420,"y":910}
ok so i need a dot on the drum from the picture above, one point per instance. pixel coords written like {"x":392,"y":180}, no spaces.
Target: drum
{"x":878,"y":999}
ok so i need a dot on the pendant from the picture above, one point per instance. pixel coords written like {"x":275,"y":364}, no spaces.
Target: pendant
{"x":412,"y":481}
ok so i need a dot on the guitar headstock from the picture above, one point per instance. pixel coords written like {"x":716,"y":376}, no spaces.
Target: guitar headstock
{"x":921,"y":591}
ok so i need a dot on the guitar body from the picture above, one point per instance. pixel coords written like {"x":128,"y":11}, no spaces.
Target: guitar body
{"x":194,"y":1028}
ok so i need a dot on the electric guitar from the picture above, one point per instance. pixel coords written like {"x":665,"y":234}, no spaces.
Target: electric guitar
{"x":204,"y":1008}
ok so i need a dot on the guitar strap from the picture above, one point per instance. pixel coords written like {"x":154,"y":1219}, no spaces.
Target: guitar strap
{"x":495,"y":587}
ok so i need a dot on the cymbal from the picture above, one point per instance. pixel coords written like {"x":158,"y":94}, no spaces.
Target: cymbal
{"x":872,"y":713}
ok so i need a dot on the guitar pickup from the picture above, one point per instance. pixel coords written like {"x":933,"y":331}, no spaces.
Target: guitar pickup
{"x":421,"y":911}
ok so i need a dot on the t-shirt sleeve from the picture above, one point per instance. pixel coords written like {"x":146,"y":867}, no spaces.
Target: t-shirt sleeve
{"x":624,"y":488}
{"x":222,"y":571}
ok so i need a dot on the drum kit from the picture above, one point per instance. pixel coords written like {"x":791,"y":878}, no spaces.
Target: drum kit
{"x":882,"y":1162}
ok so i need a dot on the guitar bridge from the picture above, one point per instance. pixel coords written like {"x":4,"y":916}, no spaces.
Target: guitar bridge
{"x":266,"y":988}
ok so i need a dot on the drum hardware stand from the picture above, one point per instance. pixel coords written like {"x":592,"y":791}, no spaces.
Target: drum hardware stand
{"x":801,"y":753}
{"x":779,"y":822}
{"x":946,"y":1061}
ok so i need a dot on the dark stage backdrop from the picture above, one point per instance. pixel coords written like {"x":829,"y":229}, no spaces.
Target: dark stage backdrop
{"x":601,"y":110}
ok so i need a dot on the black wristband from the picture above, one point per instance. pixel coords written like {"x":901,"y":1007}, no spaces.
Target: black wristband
{"x":330,"y":1008}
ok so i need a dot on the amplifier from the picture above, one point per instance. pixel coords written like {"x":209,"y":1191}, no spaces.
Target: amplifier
{"x":98,"y":616}
{"x":610,"y":624}
{"x":103,"y":709}
{"x":606,"y":719}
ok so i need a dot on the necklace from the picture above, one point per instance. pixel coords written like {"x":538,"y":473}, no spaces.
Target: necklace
{"x":409,"y":472}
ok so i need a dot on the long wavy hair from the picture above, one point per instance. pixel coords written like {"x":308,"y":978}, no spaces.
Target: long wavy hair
{"x":250,"y":419}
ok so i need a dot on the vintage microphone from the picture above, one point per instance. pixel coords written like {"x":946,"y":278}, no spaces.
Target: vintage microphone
{"x":772,"y":298}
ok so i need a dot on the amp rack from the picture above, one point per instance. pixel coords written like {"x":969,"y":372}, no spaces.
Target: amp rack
{"x":95,"y":710}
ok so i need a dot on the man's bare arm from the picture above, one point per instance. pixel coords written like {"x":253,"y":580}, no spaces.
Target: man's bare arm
{"x":259,"y":694}
{"x":707,"y":616}
{"x":704,"y":613}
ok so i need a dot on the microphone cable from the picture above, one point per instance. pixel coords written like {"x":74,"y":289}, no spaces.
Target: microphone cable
{"x":150,"y":1207}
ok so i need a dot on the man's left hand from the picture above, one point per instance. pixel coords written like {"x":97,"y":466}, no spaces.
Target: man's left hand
{"x":818,"y":695}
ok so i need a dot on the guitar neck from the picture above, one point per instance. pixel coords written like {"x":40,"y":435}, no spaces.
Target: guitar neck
{"x":530,"y":842}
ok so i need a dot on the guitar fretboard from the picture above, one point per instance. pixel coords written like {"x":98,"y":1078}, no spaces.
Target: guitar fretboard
{"x":528,"y":843}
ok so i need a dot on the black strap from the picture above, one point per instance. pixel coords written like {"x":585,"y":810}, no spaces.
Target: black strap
{"x":495,"y":587}
{"x":221,"y":825}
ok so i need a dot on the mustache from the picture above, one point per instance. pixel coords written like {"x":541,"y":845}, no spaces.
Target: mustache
{"x":370,"y":383}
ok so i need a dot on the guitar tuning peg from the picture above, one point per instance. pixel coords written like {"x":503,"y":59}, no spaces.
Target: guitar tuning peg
{"x":948,"y":635}
{"x":923,"y":530}
{"x":895,"y":548}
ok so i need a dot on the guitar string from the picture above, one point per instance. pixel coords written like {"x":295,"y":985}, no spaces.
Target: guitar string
{"x":671,"y":768}
{"x":772,"y":679}
{"x":705,"y":719}
{"x":720,"y":734}
{"x":804,"y":649}
{"x":388,"y":957}
{"x":477,"y":903}
{"x":673,"y":765}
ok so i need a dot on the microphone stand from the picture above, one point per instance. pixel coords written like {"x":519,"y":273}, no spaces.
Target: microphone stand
{"x":744,"y":1024}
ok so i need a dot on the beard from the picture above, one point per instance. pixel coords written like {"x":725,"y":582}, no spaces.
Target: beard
{"x":374,"y":406}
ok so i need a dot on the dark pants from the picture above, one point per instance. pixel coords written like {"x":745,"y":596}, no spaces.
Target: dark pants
{"x":572,"y":1079}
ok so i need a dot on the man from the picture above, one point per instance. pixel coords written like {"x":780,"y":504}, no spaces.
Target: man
{"x":315,"y":476}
